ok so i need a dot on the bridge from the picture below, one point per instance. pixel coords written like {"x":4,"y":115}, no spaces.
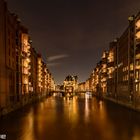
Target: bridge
{"x":70,"y":93}
{"x":77,"y":91}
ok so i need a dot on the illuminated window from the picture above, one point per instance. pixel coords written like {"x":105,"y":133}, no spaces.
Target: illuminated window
{"x":138,"y":56}
{"x":25,"y":80}
{"x":104,"y":55}
{"x":137,"y":74}
{"x":131,"y":66}
{"x":25,"y":63}
{"x":111,"y":56}
{"x":104,"y":65}
{"x":138,"y":24}
{"x":138,"y":35}
{"x":25,"y":71}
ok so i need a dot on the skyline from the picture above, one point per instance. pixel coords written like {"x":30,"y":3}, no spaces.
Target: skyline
{"x":60,"y":25}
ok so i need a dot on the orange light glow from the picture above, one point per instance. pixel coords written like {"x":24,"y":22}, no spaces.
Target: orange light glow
{"x":138,"y":24}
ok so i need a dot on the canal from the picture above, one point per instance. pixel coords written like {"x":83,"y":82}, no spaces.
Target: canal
{"x":79,"y":118}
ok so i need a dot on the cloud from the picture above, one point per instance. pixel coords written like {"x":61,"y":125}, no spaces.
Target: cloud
{"x":53,"y":64}
{"x":56,"y":57}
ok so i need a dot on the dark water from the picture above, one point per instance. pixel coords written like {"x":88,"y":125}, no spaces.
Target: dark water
{"x":80,"y":118}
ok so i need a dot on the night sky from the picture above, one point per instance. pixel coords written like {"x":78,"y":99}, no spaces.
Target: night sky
{"x":71,"y":34}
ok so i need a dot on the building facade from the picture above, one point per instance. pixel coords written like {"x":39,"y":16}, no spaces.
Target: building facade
{"x":23,"y":73}
{"x":70,"y":84}
{"x":81,"y":87}
{"x":117,"y":75}
{"x":3,"y":86}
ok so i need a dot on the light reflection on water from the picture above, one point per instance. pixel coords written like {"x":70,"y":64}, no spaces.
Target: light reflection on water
{"x":28,"y":132}
{"x":77,"y":118}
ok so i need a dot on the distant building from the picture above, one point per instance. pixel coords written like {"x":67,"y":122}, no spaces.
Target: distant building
{"x":71,"y":84}
{"x":104,"y":70}
{"x":81,"y":87}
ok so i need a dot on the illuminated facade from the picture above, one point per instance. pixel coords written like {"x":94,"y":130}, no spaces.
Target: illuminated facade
{"x":22,"y":74}
{"x":117,"y":75}
{"x":136,"y":96}
{"x":87,"y":84}
{"x":103,"y":71}
{"x":71,"y":84}
{"x":96,"y":80}
{"x":39,"y":74}
{"x":94,"y":83}
{"x":26,"y":63}
{"x":52,"y":84}
{"x":112,"y":69}
{"x":48,"y":81}
{"x":81,"y":87}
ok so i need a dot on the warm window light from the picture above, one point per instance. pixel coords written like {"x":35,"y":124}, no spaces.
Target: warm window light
{"x":131,"y":66}
{"x":138,"y":24}
{"x":110,"y":70}
{"x":25,"y":70}
{"x":28,"y":54}
{"x":104,"y":70}
{"x":111,"y":57}
{"x":137,"y":67}
{"x":104,"y":65}
{"x":138,"y":56}
{"x":25,"y":81}
{"x":25,"y":64}
{"x":104,"y":55}
{"x":104,"y":79}
{"x":25,"y":42}
{"x":28,"y":46}
{"x":28,"y":59}
{"x":25,"y":49}
{"x":138,"y":35}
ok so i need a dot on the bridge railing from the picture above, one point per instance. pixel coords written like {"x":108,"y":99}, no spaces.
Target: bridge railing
{"x":83,"y":91}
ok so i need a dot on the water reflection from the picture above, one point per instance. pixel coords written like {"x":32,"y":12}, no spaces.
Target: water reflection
{"x":77,"y":118}
{"x":71,"y":110}
{"x":87,"y":108}
{"x":28,"y":127}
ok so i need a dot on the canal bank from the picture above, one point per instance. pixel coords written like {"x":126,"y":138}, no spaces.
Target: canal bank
{"x":129,"y":105}
{"x":26,"y":100}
